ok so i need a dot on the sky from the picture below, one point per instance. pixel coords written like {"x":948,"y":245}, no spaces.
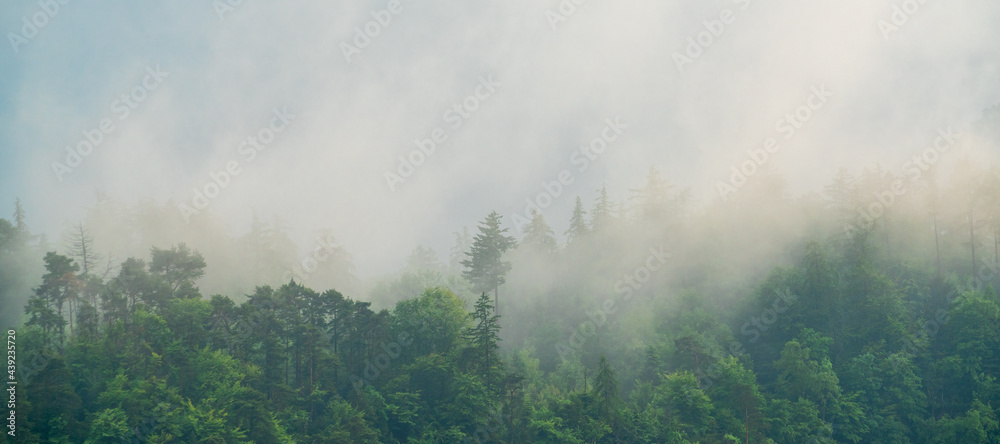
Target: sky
{"x":314,"y":104}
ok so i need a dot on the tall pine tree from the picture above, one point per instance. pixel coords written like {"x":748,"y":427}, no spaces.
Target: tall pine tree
{"x":484,"y":339}
{"x":577,"y":223}
{"x":485,"y":267}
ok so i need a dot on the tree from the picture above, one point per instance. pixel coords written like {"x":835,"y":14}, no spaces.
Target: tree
{"x":687,"y":407}
{"x":485,"y":267}
{"x":602,"y":215}
{"x":109,"y":426}
{"x":19,"y":216}
{"x":463,"y":241}
{"x":577,"y":223}
{"x":653,"y":199}
{"x":967,"y":192}
{"x":329,"y":266}
{"x":435,"y":322}
{"x":269,"y":251}
{"x":538,"y":235}
{"x":422,"y":259}
{"x":81,"y":248}
{"x":179,"y":267}
{"x":739,"y":403}
{"x":484,"y":339}
{"x":18,"y":262}
{"x":134,"y":285}
{"x":606,"y":389}
{"x":59,"y":285}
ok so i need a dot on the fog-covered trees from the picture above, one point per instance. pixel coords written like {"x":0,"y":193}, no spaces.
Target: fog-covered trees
{"x":771,"y":322}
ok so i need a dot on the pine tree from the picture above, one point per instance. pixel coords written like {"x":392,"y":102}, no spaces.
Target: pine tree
{"x":653,"y":199}
{"x":484,"y":338}
{"x":606,"y":388}
{"x":485,"y":267}
{"x":539,"y":235}
{"x":19,"y":217}
{"x":463,"y":241}
{"x":59,"y":285}
{"x":602,"y":214}
{"x":577,"y":223}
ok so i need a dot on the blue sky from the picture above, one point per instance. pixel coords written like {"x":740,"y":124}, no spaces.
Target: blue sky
{"x":353,"y":119}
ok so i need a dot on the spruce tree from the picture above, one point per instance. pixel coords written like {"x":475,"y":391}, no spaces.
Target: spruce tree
{"x":485,"y":267}
{"x":577,"y":223}
{"x":463,"y":241}
{"x":601,"y":216}
{"x":606,"y":387}
{"x":484,"y":338}
{"x":539,"y":235}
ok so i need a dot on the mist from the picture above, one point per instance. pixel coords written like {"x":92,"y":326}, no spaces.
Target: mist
{"x":358,"y":147}
{"x":228,"y":69}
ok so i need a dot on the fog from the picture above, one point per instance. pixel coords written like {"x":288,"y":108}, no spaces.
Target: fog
{"x":204,"y":79}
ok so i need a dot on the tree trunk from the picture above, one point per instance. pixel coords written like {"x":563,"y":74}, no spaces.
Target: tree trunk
{"x":746,"y":423}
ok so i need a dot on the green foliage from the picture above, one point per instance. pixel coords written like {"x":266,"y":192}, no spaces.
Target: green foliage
{"x":485,"y":267}
{"x":484,"y":341}
{"x":862,"y":338}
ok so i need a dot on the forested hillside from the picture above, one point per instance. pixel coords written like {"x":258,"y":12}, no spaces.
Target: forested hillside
{"x":849,"y":316}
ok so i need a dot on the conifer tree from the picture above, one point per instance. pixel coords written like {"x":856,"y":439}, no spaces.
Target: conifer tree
{"x":577,"y":223}
{"x":485,"y":267}
{"x":484,"y":338}
{"x":606,"y":388}
{"x":601,"y":216}
{"x":539,"y":235}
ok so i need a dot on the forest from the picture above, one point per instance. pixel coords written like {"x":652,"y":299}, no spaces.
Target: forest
{"x":864,"y":313}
